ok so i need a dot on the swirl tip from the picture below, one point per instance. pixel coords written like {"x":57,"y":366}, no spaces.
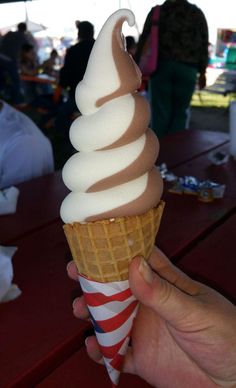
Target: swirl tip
{"x":128,"y":14}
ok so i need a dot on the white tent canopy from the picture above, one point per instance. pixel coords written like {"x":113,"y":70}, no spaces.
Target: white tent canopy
{"x":62,"y":14}
{"x":35,"y":27}
{"x":31,"y":26}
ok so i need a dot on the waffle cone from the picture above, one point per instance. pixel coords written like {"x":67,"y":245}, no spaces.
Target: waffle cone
{"x":102,"y":250}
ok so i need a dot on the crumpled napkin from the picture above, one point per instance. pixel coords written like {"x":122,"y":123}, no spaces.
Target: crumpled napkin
{"x":8,"y":200}
{"x":8,"y":291}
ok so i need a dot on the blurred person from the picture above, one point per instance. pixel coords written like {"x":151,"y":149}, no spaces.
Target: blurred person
{"x":49,"y":65}
{"x":76,"y":58}
{"x":11,"y":44}
{"x":72,"y":73}
{"x":25,"y":152}
{"x":29,"y":67}
{"x":10,"y":87}
{"x":130,"y":45}
{"x":32,"y":40}
{"x":182,"y":59}
{"x":28,"y":60}
{"x":184,"y":334}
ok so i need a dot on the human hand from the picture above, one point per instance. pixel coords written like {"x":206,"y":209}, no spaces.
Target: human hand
{"x":202,"y":81}
{"x":184,"y":333}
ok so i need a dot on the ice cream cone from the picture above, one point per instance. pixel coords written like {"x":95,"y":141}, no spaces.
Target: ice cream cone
{"x":102,"y":250}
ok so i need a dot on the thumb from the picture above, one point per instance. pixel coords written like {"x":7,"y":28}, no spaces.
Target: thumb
{"x":171,"y":303}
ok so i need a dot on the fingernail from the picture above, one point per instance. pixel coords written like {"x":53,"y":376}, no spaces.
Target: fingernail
{"x":145,"y":271}
{"x":74,"y":303}
{"x":68,"y":265}
{"x":86,"y":341}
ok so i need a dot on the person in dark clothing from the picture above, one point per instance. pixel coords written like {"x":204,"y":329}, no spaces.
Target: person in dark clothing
{"x":9,"y":81}
{"x":183,"y":56}
{"x":76,"y":58}
{"x":130,"y":45}
{"x":11,"y":45}
{"x":13,"y":41}
{"x":72,"y":73}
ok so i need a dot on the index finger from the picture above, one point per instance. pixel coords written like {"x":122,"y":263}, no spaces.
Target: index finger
{"x":72,"y":270}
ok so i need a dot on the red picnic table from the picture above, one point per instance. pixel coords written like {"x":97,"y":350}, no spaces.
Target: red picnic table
{"x":187,"y":219}
{"x":40,"y":199}
{"x":38,"y":205}
{"x":41,"y":341}
{"x":212,"y":260}
{"x":39,"y":78}
{"x":69,"y":375}
{"x":182,"y":146}
{"x":38,"y":330}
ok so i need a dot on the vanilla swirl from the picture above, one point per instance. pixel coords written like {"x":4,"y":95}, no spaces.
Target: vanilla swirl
{"x":114,"y":173}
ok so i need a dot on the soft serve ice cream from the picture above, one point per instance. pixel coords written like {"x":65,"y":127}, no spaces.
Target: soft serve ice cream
{"x":114,"y":209}
{"x":113,"y":173}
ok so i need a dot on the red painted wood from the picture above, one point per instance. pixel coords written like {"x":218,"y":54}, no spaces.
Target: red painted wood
{"x":80,"y":371}
{"x":186,"y":219}
{"x":182,"y":146}
{"x":213,"y":259}
{"x":202,"y":168}
{"x":40,"y":199}
{"x":38,"y":205}
{"x":38,"y":330}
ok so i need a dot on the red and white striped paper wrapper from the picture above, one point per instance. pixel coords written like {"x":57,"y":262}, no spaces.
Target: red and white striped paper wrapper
{"x":112,"y":308}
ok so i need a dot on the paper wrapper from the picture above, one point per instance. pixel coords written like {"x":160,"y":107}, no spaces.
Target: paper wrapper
{"x":112,"y":309}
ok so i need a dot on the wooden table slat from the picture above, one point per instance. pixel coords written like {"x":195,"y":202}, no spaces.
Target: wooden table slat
{"x":182,"y":146}
{"x":80,"y":371}
{"x":186,"y":219}
{"x":38,"y":205}
{"x":213,"y":262}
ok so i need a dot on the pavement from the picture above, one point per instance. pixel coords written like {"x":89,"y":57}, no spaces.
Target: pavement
{"x":210,"y":119}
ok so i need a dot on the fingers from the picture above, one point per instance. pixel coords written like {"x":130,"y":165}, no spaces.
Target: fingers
{"x":170,"y":302}
{"x":162,"y":265}
{"x":93,"y":349}
{"x":81,"y":311}
{"x":80,"y":308}
{"x":72,"y":271}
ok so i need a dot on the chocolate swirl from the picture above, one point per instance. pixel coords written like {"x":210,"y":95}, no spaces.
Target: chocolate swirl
{"x":113,"y":174}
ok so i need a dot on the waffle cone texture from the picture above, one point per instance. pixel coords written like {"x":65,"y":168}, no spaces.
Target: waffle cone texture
{"x":102,"y":250}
